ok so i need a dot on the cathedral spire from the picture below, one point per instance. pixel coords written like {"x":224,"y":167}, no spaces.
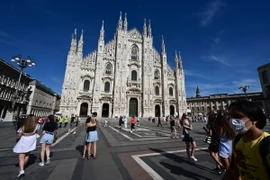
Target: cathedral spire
{"x":125,"y":23}
{"x":198,"y":93}
{"x":180,"y":61}
{"x":144,"y":28}
{"x":80,"y":45}
{"x":73,"y":45}
{"x":149,"y":29}
{"x":101,"y":35}
{"x":176,"y":59}
{"x":120,"y":22}
{"x":163,"y":45}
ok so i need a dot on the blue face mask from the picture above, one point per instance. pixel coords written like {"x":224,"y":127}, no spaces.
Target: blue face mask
{"x":239,"y":125}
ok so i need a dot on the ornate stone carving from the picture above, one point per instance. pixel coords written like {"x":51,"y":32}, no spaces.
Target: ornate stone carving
{"x":134,"y":33}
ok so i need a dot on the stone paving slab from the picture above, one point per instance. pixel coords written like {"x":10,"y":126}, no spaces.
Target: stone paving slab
{"x":177,"y":166}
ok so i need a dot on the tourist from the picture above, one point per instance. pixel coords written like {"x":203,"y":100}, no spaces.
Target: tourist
{"x":159,"y":122}
{"x":48,"y":138}
{"x":85,"y":145}
{"x":72,"y":127}
{"x":212,"y":131}
{"x":27,"y":142}
{"x":132,"y":123}
{"x":172,"y":127}
{"x":106,"y":122}
{"x":125,"y":122}
{"x":188,"y":139}
{"x":92,"y":136}
{"x":226,"y":134}
{"x":250,"y":158}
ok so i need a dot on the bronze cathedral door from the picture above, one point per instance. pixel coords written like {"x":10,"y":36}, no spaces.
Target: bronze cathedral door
{"x":133,"y":107}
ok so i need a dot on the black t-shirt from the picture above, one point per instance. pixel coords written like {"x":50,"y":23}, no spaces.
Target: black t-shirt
{"x":50,"y":127}
{"x":172,"y":123}
{"x":72,"y":120}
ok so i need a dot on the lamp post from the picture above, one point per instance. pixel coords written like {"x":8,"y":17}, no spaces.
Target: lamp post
{"x":244,"y":89}
{"x":22,"y":63}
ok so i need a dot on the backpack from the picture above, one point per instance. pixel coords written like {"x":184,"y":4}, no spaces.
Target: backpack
{"x":264,"y":148}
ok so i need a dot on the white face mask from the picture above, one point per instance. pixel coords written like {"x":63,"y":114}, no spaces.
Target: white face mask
{"x":239,"y":125}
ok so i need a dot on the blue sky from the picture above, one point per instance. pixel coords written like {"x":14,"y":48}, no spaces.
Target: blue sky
{"x":222,"y":42}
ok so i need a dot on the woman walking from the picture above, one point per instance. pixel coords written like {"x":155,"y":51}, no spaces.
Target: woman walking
{"x":27,"y":142}
{"x":49,"y":134}
{"x":92,"y":136}
{"x":188,"y":139}
{"x":212,"y":131}
{"x":226,"y":135}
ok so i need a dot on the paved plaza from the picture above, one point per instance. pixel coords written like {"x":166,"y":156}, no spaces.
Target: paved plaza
{"x":148,"y":153}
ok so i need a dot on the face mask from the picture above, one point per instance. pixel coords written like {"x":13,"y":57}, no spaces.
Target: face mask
{"x":239,"y":125}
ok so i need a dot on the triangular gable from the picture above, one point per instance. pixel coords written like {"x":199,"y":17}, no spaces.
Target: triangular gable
{"x":134,"y":33}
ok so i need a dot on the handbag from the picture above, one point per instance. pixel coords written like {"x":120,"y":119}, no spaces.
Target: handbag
{"x":207,"y":139}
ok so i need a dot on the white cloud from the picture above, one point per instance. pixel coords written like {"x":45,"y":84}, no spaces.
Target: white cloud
{"x":196,"y":74}
{"x":217,"y":39}
{"x":4,"y":34}
{"x":210,"y":12}
{"x":216,"y":59}
{"x":56,"y":80}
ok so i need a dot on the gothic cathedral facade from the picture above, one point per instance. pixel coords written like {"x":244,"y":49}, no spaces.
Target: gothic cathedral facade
{"x":125,"y":76}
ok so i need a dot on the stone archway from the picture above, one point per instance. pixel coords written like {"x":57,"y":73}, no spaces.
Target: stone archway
{"x":105,"y":110}
{"x":157,"y":111}
{"x":172,"y":111}
{"x":83,"y":109}
{"x":133,"y":107}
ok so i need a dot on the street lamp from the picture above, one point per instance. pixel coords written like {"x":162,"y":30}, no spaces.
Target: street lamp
{"x":244,"y":89}
{"x":22,"y":63}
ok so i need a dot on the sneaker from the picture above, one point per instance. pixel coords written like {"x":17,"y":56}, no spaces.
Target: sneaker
{"x":193,"y":158}
{"x":74,"y":132}
{"x":41,"y":164}
{"x":48,"y":161}
{"x":21,"y":173}
{"x":217,"y":170}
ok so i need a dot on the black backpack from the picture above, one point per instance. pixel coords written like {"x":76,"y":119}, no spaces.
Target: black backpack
{"x":263,"y":149}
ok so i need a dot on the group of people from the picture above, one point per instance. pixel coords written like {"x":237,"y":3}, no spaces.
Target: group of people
{"x":238,"y":144}
{"x":27,"y":135}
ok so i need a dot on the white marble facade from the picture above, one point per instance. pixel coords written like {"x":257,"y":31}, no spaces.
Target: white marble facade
{"x":125,"y":76}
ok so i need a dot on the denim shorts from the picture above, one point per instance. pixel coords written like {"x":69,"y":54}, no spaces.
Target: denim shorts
{"x":47,"y":138}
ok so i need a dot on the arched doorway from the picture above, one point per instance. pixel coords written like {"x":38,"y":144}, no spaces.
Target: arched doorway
{"x":172,"y":110}
{"x":157,"y":111}
{"x":105,"y":110}
{"x":83,"y":109}
{"x":133,"y":107}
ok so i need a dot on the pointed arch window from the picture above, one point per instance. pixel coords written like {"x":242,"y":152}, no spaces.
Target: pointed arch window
{"x":157,"y":74}
{"x":134,"y":53}
{"x":134,"y":75}
{"x":171,"y":91}
{"x":108,"y":69}
{"x":107,"y":87}
{"x":157,"y":91}
{"x":86,"y":85}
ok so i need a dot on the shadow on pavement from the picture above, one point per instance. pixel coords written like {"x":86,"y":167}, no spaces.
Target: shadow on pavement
{"x":80,"y":149}
{"x":179,"y":170}
{"x":32,"y":160}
